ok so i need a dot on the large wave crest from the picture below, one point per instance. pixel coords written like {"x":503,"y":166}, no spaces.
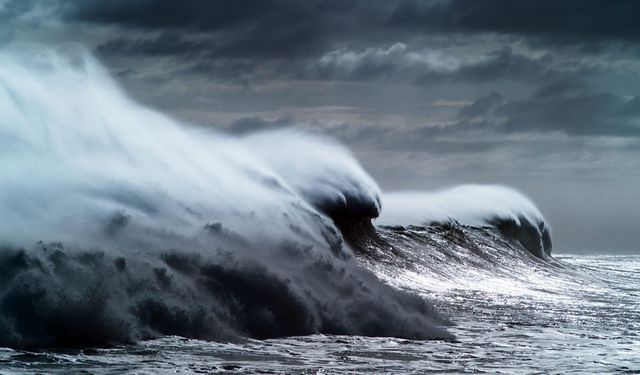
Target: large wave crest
{"x":473,"y":205}
{"x":120,"y":223}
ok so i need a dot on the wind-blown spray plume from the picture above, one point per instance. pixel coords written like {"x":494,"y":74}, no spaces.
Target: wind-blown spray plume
{"x":120,"y":224}
{"x":474,"y":205}
{"x":321,"y":171}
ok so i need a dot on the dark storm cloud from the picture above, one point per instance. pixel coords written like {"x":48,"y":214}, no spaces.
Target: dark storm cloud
{"x":559,"y":106}
{"x":560,"y":88}
{"x":285,"y":39}
{"x":567,"y":20}
{"x":568,"y":107}
{"x":482,"y":106}
{"x":401,"y":63}
{"x":11,"y":10}
{"x":424,"y":139}
{"x":602,"y":113}
{"x":233,"y":28}
{"x":505,"y":63}
{"x":372,"y":136}
{"x":186,"y":14}
{"x":165,"y":44}
{"x":384,"y":42}
{"x":395,"y":63}
{"x":316,"y":20}
{"x":254,"y":124}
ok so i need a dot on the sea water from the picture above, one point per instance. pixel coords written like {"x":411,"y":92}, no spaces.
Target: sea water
{"x":581,"y":318}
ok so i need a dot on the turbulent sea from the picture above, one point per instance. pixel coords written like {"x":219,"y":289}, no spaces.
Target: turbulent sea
{"x":131,"y":242}
{"x":513,"y":313}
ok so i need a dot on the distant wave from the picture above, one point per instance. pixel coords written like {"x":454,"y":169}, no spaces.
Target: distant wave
{"x":121,"y":224}
{"x":474,"y":205}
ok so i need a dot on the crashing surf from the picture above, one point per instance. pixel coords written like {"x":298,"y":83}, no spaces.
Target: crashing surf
{"x":121,"y":224}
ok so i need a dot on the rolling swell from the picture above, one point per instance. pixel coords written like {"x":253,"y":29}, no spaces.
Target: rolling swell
{"x":120,"y":224}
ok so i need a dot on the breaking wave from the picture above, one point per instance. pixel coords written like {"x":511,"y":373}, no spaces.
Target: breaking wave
{"x":121,"y":224}
{"x":473,"y":205}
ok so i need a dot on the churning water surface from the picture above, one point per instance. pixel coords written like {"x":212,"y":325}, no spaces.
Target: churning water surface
{"x":581,"y":315}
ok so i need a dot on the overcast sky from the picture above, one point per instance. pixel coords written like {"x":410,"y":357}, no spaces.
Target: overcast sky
{"x":540,"y":95}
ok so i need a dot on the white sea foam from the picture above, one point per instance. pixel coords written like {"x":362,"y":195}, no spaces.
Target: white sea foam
{"x":475,"y":205}
{"x":120,"y":223}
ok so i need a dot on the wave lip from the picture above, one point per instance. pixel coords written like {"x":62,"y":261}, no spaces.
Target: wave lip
{"x":474,"y":205}
{"x":321,"y":171}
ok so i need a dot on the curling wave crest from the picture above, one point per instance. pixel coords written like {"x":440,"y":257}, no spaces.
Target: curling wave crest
{"x":122,"y":224}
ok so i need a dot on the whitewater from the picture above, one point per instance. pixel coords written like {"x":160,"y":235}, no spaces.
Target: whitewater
{"x":132,"y":242}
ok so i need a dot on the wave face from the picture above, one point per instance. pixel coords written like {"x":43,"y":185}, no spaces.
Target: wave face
{"x":497,"y":206}
{"x":120,"y":224}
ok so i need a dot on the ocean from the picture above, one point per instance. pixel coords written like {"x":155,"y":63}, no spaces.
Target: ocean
{"x":134,"y":243}
{"x":512,"y":314}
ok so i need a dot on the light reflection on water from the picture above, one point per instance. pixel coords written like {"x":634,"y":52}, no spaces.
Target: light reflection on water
{"x":582,"y":316}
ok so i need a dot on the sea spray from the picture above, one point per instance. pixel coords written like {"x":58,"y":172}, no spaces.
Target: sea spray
{"x":121,"y":224}
{"x":474,"y":205}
